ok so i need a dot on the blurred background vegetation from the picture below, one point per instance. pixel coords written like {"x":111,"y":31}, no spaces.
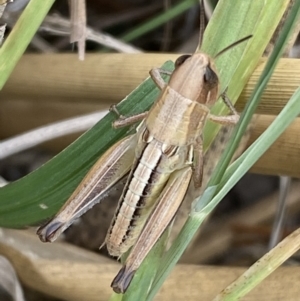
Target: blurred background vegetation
{"x":50,"y":84}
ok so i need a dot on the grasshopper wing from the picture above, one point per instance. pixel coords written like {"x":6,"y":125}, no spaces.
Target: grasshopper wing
{"x":108,"y":170}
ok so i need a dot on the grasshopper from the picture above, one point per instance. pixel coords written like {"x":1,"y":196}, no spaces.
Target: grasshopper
{"x":162,"y":158}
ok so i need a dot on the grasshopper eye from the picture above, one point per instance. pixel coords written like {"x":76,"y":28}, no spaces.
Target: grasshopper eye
{"x":181,"y":60}
{"x":210,"y":76}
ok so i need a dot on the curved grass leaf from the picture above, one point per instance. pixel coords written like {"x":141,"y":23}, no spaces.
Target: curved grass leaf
{"x":40,"y":194}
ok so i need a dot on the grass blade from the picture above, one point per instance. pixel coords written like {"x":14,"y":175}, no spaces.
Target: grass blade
{"x":159,"y":20}
{"x":204,"y":205}
{"x":261,"y":269}
{"x":21,"y":35}
{"x":40,"y":194}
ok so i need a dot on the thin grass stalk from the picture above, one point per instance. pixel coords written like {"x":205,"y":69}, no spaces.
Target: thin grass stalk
{"x":262,"y":268}
{"x":21,"y":35}
{"x":159,"y":20}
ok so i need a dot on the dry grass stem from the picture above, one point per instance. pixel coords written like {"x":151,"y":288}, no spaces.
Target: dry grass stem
{"x":49,"y":132}
{"x":59,"y":25}
{"x":78,"y":25}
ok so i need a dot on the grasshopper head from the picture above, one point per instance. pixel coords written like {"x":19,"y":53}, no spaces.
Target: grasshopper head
{"x":195,"y":78}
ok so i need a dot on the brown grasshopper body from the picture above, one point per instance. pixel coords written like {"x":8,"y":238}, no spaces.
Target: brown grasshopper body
{"x":163,"y":156}
{"x":167,"y":142}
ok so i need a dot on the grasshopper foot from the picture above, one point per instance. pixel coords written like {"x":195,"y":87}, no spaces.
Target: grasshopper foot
{"x":122,"y":281}
{"x":50,"y":231}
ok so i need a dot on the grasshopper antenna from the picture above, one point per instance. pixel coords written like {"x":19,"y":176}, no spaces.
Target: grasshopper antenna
{"x":202,"y":23}
{"x":232,"y":45}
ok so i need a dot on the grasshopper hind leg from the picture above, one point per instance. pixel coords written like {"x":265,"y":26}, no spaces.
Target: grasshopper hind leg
{"x":113,"y":165}
{"x":168,"y":203}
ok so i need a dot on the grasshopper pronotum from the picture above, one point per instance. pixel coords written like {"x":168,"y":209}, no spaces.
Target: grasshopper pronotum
{"x":163,"y":157}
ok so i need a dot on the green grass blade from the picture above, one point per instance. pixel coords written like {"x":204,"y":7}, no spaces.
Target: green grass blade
{"x":203,"y":208}
{"x":261,"y":269}
{"x":23,"y":202}
{"x":255,"y":151}
{"x":253,"y":102}
{"x":231,"y":21}
{"x":237,"y":170}
{"x":21,"y":35}
{"x":159,"y":20}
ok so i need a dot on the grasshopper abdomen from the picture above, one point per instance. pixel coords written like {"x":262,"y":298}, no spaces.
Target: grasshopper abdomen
{"x":152,"y":168}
